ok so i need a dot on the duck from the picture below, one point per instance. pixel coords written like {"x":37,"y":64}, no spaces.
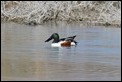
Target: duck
{"x":63,"y":42}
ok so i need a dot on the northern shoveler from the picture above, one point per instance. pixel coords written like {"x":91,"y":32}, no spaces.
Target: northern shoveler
{"x":63,"y":42}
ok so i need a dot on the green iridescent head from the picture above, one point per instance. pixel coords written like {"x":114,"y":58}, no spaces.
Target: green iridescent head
{"x":54,"y":36}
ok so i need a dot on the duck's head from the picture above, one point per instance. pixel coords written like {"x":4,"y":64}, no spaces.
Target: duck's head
{"x":54,"y":36}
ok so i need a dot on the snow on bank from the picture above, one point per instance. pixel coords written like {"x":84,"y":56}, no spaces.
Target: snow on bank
{"x":38,"y":12}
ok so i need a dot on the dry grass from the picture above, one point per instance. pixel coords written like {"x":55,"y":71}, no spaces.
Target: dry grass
{"x":38,"y":12}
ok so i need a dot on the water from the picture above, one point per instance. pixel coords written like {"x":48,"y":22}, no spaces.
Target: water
{"x":25,"y":55}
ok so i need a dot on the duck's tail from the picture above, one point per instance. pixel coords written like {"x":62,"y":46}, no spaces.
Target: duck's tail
{"x":75,"y":42}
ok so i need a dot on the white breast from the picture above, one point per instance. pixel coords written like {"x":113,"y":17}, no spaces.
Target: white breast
{"x":57,"y":44}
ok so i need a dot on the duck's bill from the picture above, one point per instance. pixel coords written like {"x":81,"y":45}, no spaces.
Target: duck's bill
{"x":48,"y":39}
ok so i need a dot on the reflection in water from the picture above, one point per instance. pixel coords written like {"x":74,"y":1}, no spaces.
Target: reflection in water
{"x":25,"y":56}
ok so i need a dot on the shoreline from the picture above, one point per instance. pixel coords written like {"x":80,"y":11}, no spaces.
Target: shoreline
{"x":82,"y":23}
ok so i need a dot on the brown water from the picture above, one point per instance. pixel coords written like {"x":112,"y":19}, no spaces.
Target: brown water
{"x":25,"y":56}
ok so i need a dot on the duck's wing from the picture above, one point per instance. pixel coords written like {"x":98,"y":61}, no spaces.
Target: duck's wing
{"x":71,"y":37}
{"x":62,"y":39}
